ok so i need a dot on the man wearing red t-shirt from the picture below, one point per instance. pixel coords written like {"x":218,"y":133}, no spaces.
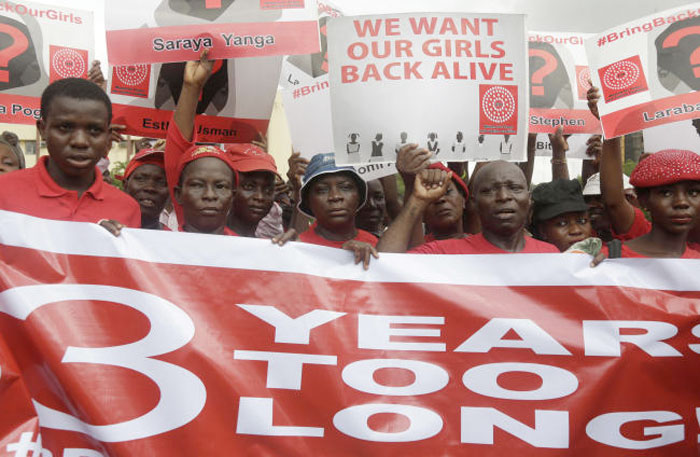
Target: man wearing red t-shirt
{"x":502,"y":199}
{"x":75,"y":123}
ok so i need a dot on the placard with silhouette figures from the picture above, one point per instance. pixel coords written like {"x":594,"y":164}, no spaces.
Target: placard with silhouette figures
{"x":306,"y":94}
{"x":144,"y":97}
{"x":40,"y":44}
{"x":441,"y":80}
{"x":559,"y":82}
{"x":155,"y":31}
{"x":648,"y":71}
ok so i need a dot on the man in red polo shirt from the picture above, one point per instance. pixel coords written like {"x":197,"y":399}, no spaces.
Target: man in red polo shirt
{"x":75,"y":123}
{"x":502,"y":199}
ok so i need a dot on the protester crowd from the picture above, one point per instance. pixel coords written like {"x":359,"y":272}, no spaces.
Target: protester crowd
{"x":236,"y":190}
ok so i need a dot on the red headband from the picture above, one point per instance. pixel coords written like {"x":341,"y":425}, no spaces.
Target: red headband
{"x":456,"y":179}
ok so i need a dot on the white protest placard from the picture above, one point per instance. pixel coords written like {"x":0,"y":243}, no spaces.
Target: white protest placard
{"x":577,"y":146}
{"x":648,"y":71}
{"x":559,"y":82}
{"x":151,"y":31}
{"x":144,"y":97}
{"x":440,"y":80}
{"x":39,"y":44}
{"x":679,"y":135}
{"x":306,"y":93}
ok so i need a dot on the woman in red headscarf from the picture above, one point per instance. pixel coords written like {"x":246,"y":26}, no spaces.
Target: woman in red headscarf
{"x":668,"y":188}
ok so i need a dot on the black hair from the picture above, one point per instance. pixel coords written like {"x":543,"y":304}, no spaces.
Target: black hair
{"x":77,"y":88}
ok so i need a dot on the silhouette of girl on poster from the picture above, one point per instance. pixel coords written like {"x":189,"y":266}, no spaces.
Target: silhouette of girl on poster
{"x":377,"y":146}
{"x":353,"y":148}
{"x":433,"y":144}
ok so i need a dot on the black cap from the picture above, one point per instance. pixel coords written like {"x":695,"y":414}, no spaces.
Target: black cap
{"x":557,"y":197}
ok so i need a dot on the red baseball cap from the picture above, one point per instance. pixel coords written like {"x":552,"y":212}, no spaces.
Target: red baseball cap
{"x":666,"y":167}
{"x":457,"y":180}
{"x":144,"y":157}
{"x":247,"y":157}
{"x":200,"y":151}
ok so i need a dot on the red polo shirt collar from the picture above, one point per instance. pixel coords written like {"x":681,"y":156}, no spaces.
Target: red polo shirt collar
{"x":47,"y":187}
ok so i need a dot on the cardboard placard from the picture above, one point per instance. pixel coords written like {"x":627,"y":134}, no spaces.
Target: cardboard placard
{"x":422,"y":76}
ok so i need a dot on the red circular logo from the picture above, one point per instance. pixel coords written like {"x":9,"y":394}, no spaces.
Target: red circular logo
{"x":69,"y":63}
{"x":621,"y":75}
{"x":498,"y":104}
{"x":132,"y":75}
{"x":584,"y":77}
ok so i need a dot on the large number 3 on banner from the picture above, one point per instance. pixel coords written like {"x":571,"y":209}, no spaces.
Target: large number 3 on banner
{"x":182,"y":394}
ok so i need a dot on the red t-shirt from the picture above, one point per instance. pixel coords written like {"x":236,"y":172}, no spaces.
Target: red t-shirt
{"x":640,"y":226}
{"x":478,"y":244}
{"x":694,"y":246}
{"x":629,"y":253}
{"x":227,"y":231}
{"x":33,"y":191}
{"x":310,"y":236}
{"x":175,"y":147}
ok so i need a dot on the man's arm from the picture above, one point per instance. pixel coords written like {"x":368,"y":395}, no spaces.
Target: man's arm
{"x":560,"y":170}
{"x":429,"y":185}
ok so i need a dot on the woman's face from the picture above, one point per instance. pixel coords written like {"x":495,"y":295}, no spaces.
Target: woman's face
{"x":565,"y":230}
{"x":8,"y":160}
{"x":675,"y":207}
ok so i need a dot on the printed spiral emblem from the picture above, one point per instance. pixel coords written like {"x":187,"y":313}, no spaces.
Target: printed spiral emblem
{"x":68,"y":63}
{"x":621,"y":75}
{"x":132,"y":75}
{"x":498,"y":104}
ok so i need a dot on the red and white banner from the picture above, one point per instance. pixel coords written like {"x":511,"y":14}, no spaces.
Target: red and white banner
{"x":648,"y":71}
{"x":559,"y":82}
{"x":39,"y":44}
{"x":144,"y":97}
{"x":419,"y":77}
{"x":152,"y":31}
{"x":170,"y":344}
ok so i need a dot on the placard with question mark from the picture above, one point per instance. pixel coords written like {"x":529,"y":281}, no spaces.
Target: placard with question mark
{"x":40,"y":44}
{"x":648,"y":71}
{"x":559,"y":77}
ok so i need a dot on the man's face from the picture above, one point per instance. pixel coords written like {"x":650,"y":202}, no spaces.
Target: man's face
{"x":334,"y":199}
{"x":445,"y":212}
{"x":254,"y":196}
{"x":206,"y":194}
{"x":77,"y":135}
{"x":371,"y":216}
{"x":597,"y":213}
{"x":149,"y":188}
{"x":502,"y":198}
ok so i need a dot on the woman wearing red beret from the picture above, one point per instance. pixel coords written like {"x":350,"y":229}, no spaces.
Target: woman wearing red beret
{"x":668,"y":187}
